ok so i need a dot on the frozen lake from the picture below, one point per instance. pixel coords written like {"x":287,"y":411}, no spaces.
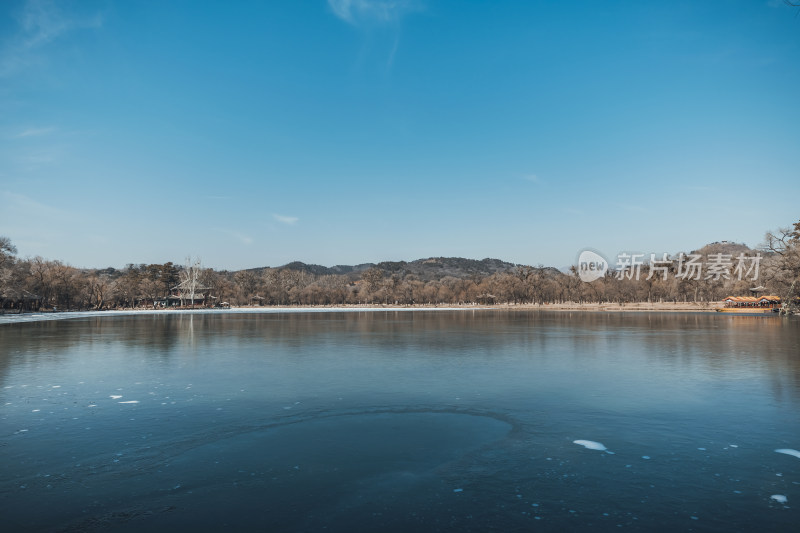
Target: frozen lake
{"x":468,"y":420}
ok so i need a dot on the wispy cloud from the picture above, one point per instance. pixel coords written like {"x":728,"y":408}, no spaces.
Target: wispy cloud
{"x":371,"y":15}
{"x":40,"y":22}
{"x":35,"y":132}
{"x":533,"y":178}
{"x":20,"y":203}
{"x":284,"y":219}
{"x":241,"y":237}
{"x":357,"y":12}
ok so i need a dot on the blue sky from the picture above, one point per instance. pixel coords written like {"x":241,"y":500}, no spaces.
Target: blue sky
{"x":343,"y":132}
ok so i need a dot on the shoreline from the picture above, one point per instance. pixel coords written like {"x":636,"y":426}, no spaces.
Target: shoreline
{"x":657,"y":307}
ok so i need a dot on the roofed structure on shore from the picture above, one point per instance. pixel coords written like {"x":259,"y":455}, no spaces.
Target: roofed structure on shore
{"x":182,"y":294}
{"x":19,"y":301}
{"x":752,"y":301}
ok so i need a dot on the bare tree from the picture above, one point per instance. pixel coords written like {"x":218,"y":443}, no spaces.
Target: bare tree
{"x":247,"y":282}
{"x":191,"y":279}
{"x":7,"y":250}
{"x":782,"y":267}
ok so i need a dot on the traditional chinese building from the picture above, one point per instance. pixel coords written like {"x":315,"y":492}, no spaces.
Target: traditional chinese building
{"x":752,"y":302}
{"x":182,"y":294}
{"x":18,"y":301}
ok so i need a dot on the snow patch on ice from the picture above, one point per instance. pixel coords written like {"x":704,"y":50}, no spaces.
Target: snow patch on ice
{"x":130,"y":401}
{"x":789,"y":451}
{"x":115,"y":396}
{"x":592,"y":445}
{"x":780,"y":498}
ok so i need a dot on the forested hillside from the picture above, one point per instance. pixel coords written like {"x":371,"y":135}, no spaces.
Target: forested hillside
{"x":730,"y":269}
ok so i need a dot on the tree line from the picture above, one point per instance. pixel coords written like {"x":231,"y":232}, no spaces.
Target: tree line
{"x":61,"y":286}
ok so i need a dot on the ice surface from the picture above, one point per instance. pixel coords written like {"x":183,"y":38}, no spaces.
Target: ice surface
{"x":789,"y":451}
{"x":780,"y":498}
{"x":25,"y":317}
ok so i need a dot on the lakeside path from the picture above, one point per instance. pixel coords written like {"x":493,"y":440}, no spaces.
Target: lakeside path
{"x":659,"y":307}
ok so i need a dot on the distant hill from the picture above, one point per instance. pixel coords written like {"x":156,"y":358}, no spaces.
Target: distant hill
{"x":725,"y":247}
{"x":436,"y":268}
{"x":432,"y":268}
